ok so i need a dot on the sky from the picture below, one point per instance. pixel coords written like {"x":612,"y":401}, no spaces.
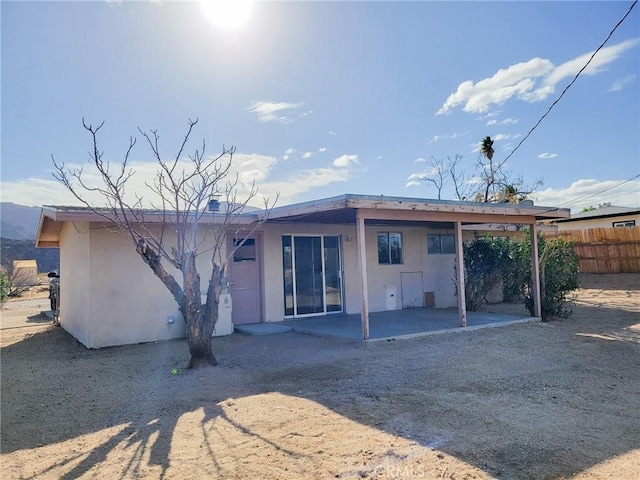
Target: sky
{"x":326,"y":98}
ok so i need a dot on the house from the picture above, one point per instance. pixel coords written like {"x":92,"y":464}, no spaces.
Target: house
{"x":350,"y":254}
{"x":25,"y":268}
{"x":604,"y":217}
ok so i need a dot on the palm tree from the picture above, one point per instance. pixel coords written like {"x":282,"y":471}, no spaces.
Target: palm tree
{"x":486,"y":149}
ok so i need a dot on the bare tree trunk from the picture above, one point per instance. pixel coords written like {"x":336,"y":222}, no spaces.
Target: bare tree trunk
{"x":199,"y":318}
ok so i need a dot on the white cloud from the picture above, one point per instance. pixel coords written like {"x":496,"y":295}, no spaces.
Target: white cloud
{"x":419,"y":160}
{"x":596,"y":192}
{"x":272,"y":111}
{"x":38,"y":191}
{"x":345,"y":160}
{"x":531,"y":81}
{"x":546,"y":155}
{"x":491,"y":122}
{"x":302,"y":181}
{"x":447,"y":136}
{"x":509,"y":121}
{"x":307,"y":155}
{"x":500,"y":136}
{"x":331,"y":132}
{"x":623,"y":82}
{"x":322,"y":149}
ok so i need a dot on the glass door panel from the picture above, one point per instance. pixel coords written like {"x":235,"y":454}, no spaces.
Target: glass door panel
{"x":332,"y":274}
{"x":308,"y":275}
{"x":312,"y":275}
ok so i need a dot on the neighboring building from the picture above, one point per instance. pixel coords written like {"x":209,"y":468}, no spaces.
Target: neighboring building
{"x":25,"y":268}
{"x":605,"y":217}
{"x":351,"y":254}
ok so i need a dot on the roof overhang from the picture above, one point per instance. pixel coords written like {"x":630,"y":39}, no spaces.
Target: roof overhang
{"x":52,"y":219}
{"x":344,"y":209}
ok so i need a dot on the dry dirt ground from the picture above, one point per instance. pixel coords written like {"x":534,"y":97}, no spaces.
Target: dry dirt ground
{"x":537,"y":400}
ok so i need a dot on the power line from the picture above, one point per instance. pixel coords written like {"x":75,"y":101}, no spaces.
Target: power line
{"x":572,"y":82}
{"x":573,"y":200}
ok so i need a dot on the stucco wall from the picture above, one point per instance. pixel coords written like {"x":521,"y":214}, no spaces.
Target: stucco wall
{"x":109,"y":295}
{"x":75,"y":280}
{"x":437,"y":270}
{"x":596,"y":222}
{"x":129,"y":304}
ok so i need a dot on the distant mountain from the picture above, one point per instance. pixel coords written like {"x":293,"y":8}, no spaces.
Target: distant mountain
{"x":47,"y":258}
{"x":18,"y":222}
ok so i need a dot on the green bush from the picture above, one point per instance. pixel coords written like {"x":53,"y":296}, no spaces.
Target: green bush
{"x":489,"y":260}
{"x":4,"y":287}
{"x":485,"y":259}
{"x":558,"y":277}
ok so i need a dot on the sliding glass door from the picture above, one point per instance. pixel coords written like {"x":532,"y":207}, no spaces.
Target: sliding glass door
{"x":312,"y":274}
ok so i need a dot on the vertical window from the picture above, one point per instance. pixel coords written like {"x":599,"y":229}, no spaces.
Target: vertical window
{"x":287,"y":266}
{"x":389,"y":248}
{"x":441,"y":244}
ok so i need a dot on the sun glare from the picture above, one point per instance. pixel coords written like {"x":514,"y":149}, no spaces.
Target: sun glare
{"x":227,"y":14}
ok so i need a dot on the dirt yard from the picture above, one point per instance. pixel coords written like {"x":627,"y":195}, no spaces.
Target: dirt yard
{"x":527,"y":401}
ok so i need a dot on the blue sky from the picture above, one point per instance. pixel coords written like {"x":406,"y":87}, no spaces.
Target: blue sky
{"x":325,"y":98}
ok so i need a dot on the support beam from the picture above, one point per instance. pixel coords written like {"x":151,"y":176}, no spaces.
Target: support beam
{"x":462,"y":307}
{"x":535,"y":272}
{"x":362,"y":255}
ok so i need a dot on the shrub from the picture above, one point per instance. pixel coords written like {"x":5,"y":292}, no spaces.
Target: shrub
{"x":485,"y":259}
{"x":558,"y":277}
{"x":488,"y":261}
{"x":4,"y":287}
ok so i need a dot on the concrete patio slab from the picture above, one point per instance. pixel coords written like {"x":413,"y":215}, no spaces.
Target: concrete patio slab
{"x":262,"y":328}
{"x":396,"y":324}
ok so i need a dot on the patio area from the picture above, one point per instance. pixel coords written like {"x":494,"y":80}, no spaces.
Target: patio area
{"x":394,"y":324}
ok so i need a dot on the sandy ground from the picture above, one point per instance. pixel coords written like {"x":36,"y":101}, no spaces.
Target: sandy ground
{"x":531,"y":401}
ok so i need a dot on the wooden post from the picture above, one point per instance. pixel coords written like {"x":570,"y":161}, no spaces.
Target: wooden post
{"x":462,"y":307}
{"x":535,"y":272}
{"x":362,"y":254}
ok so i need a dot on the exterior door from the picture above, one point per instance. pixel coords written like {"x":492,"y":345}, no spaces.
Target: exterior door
{"x":244,"y":276}
{"x":312,"y":275}
{"x":412,"y":291}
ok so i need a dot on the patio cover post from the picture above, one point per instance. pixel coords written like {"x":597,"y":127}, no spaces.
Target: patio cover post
{"x":462,"y":307}
{"x":362,"y":254}
{"x":535,"y":272}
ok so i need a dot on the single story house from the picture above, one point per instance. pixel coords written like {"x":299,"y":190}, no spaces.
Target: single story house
{"x":350,"y":254}
{"x":25,"y":268}
{"x":605,"y":217}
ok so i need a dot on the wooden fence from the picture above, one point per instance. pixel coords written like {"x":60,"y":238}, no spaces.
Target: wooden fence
{"x":605,"y":250}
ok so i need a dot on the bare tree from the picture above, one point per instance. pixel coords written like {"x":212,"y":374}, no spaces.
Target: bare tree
{"x":18,"y":280}
{"x":182,"y":188}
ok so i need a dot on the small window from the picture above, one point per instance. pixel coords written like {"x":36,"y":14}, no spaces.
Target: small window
{"x":246,"y":252}
{"x":625,"y":223}
{"x":441,"y":244}
{"x":389,"y":248}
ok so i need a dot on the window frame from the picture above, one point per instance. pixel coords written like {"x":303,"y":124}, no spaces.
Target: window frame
{"x":624,"y":223}
{"x":440,"y":250}
{"x":391,"y":258}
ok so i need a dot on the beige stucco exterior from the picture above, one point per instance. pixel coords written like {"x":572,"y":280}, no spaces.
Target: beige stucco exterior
{"x":437,"y":269}
{"x":603,"y":222}
{"x":109,"y":296}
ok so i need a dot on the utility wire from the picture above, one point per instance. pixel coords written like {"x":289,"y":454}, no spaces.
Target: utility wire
{"x":572,"y":82}
{"x":600,"y":191}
